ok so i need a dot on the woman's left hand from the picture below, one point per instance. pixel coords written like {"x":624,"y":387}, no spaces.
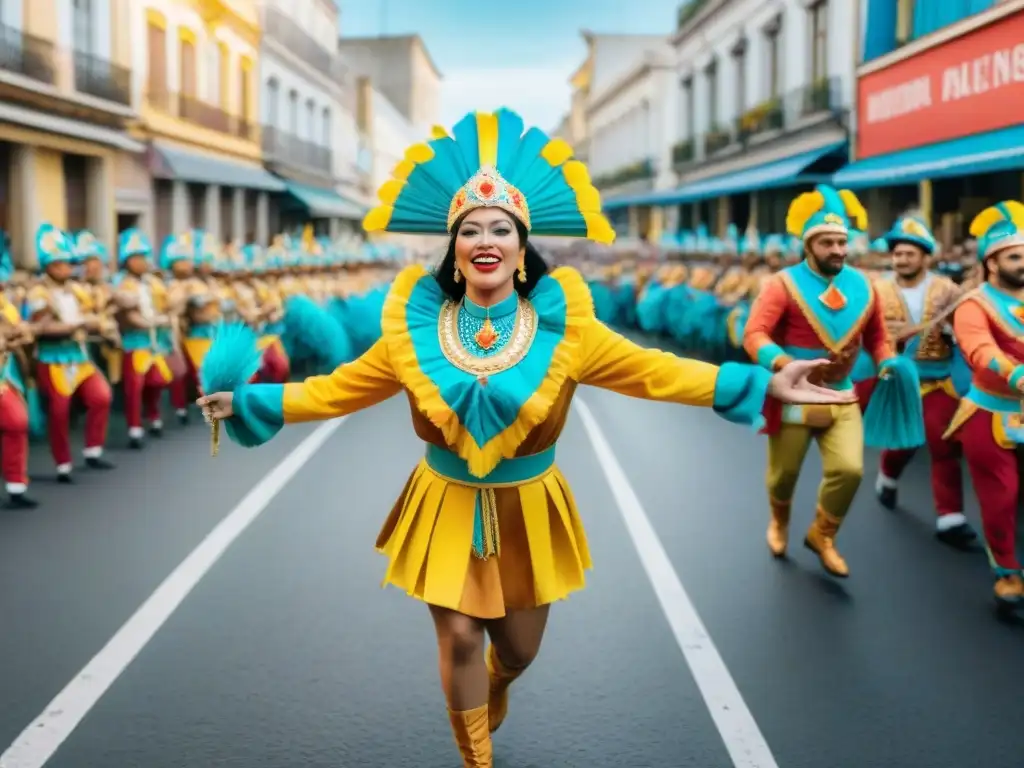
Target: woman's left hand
{"x":790,"y":385}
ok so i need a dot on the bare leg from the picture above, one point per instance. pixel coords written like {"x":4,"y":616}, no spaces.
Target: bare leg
{"x":460,"y":644}
{"x":515,"y":641}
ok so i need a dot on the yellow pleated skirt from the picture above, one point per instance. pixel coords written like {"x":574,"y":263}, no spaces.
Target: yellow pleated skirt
{"x":428,"y":540}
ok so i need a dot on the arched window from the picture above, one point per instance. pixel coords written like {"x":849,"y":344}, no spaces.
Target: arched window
{"x":310,"y":120}
{"x":326,"y":127}
{"x":273,"y":94}
{"x":293,"y":112}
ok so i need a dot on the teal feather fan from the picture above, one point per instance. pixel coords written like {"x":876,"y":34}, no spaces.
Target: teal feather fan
{"x":233,"y":359}
{"x":894,"y":418}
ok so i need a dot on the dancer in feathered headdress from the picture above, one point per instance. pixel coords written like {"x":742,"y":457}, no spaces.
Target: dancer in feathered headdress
{"x":823,"y":308}
{"x":914,"y":299}
{"x":489,"y":348}
{"x":989,"y":327}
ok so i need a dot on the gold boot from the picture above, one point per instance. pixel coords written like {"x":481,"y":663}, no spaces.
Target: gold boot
{"x":778,"y":527}
{"x":473,"y":737}
{"x":1009,"y":590}
{"x":501,"y":677}
{"x":821,"y":541}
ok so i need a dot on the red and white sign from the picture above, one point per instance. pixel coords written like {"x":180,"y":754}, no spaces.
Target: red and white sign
{"x":970,"y":84}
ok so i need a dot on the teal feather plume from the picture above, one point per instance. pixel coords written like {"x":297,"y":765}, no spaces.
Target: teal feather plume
{"x":894,"y":418}
{"x":233,"y":359}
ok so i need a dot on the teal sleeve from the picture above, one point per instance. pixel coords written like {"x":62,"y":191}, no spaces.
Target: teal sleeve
{"x":258,"y":414}
{"x":768,"y":354}
{"x":740,"y":392}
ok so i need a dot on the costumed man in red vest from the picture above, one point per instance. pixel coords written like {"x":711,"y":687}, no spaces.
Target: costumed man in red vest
{"x":989,"y":327}
{"x":914,"y":297}
{"x":819,"y":308}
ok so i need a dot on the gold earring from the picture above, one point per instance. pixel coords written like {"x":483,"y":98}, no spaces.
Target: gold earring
{"x":522,"y":272}
{"x":457,"y":276}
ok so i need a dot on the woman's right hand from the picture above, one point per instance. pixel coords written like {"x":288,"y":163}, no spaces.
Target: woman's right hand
{"x":218,"y":405}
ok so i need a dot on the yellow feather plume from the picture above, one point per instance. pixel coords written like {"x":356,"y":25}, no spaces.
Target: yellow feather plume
{"x":1016,"y":212}
{"x":854,"y":210}
{"x":801,"y":209}
{"x":985,"y":220}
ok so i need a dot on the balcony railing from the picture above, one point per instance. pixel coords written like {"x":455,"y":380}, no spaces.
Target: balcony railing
{"x":683,"y":152}
{"x":27,"y":55}
{"x":286,"y":148}
{"x":103,"y":79}
{"x":642,"y":169}
{"x":281,"y":28}
{"x":717,"y":139}
{"x":198,"y":112}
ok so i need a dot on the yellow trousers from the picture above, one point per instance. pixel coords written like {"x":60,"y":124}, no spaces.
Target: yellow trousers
{"x":842,"y":457}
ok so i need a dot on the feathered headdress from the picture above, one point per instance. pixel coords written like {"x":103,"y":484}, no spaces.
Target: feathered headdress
{"x":998,"y":227}
{"x":825,"y":210}
{"x":491,"y":161}
{"x":913,"y":230}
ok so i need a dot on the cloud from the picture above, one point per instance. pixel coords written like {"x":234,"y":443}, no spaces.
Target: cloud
{"x":541,"y":95}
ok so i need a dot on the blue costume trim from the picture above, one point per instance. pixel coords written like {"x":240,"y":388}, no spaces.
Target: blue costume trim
{"x":740,"y":390}
{"x":259,"y":414}
{"x":508,"y":472}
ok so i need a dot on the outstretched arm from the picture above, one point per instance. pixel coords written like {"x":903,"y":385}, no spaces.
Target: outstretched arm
{"x":765,"y":314}
{"x":260,"y":410}
{"x":610,"y":361}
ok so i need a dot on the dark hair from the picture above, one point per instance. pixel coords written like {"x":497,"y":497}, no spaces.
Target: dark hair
{"x":536,"y":267}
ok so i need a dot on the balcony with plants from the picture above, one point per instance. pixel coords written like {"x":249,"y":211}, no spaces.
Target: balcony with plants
{"x":638,"y":171}
{"x":716,"y":139}
{"x":683,"y":152}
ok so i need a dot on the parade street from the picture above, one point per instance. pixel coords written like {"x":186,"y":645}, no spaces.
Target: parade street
{"x":271,"y":644}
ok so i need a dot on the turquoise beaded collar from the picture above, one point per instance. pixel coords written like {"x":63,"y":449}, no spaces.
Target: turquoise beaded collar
{"x":503,"y":308}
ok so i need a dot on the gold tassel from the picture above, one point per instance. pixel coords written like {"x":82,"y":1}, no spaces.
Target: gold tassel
{"x":215,"y":437}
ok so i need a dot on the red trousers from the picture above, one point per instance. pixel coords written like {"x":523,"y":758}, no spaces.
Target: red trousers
{"x":864,"y":389}
{"x":184,"y":381}
{"x":947,"y":478}
{"x":142,"y":390}
{"x":996,"y":482}
{"x":13,"y":436}
{"x":94,"y":393}
{"x":274,"y":367}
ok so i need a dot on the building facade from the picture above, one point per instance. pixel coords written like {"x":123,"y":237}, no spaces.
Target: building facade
{"x":198,"y":94}
{"x":756,"y":110}
{"x":940,"y":107}
{"x":402,"y":70}
{"x":306,"y":88}
{"x":65,"y":103}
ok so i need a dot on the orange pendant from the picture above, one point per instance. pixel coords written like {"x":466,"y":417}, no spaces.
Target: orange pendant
{"x":833,"y":298}
{"x":486,"y":337}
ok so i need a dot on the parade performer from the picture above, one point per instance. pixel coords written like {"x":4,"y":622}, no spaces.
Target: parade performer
{"x":490,"y":348}
{"x":63,"y":317}
{"x":914,"y":296}
{"x":989,"y":327}
{"x":15,"y":335}
{"x":818,"y":308}
{"x":146,"y":372}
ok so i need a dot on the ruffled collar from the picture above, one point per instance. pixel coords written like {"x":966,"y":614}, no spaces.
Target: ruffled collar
{"x":485,"y":419}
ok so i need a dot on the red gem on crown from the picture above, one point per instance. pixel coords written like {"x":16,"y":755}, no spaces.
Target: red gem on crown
{"x":486,"y":189}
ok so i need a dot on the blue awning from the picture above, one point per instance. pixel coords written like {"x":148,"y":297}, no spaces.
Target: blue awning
{"x":322,"y":203}
{"x":1001,"y":150}
{"x":203,"y":168}
{"x":790,"y":171}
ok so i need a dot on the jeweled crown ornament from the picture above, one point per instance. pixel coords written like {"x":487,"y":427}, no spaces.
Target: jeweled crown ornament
{"x":488,"y":189}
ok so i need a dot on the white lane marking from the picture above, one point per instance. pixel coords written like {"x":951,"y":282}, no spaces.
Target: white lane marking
{"x":44,"y":735}
{"x":743,"y":739}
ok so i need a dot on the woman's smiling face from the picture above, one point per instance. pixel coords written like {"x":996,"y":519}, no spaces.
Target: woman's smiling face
{"x":488,"y":251}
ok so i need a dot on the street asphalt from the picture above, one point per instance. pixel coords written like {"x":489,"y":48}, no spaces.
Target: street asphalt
{"x":288,"y":654}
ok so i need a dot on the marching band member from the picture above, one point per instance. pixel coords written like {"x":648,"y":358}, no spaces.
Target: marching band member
{"x":15,"y":335}
{"x":177,"y":255}
{"x":989,"y":327}
{"x":146,"y":373}
{"x":912,"y":295}
{"x":63,"y":317}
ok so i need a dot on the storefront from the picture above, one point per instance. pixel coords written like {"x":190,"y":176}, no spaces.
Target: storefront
{"x":940,"y":126}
